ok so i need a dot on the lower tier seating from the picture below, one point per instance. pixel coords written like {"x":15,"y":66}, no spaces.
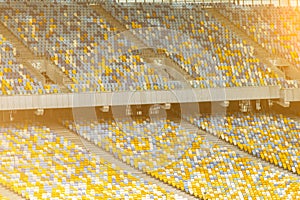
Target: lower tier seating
{"x":272,"y":137}
{"x":3,"y":198}
{"x":37,"y":164}
{"x":185,"y":160}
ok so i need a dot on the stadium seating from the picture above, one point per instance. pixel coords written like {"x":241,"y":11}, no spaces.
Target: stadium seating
{"x":14,"y":78}
{"x":3,"y":198}
{"x":162,"y":140}
{"x":183,"y":159}
{"x":84,"y":46}
{"x":274,"y":138}
{"x":275,"y":28}
{"x":202,"y":46}
{"x":37,"y":164}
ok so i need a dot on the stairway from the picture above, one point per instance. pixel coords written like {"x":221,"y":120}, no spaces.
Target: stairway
{"x":9,"y":194}
{"x":91,"y":147}
{"x":185,"y":74}
{"x":25,"y":57}
{"x":24,"y":54}
{"x":215,"y":140}
{"x":67,"y":134}
{"x":259,"y":52}
{"x":148,"y":53}
{"x":168,"y":68}
{"x":108,"y":17}
{"x":123,"y":31}
{"x":58,"y":76}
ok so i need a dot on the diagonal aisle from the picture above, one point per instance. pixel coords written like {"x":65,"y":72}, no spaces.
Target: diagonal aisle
{"x":61,"y":131}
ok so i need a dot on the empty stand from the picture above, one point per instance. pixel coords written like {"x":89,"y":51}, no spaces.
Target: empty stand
{"x":100,"y":55}
{"x":84,"y":46}
{"x":141,"y":46}
{"x":23,"y":54}
{"x":194,"y":164}
{"x":259,"y":52}
{"x":37,"y":164}
{"x":273,"y":138}
{"x":221,"y":142}
{"x":15,"y":78}
{"x":95,"y":149}
{"x":274,"y":28}
{"x":213,"y":55}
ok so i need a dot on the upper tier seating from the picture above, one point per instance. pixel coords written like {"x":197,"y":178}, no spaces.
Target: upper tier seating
{"x":274,"y":138}
{"x":83,"y":45}
{"x":183,"y":159}
{"x":14,"y":78}
{"x":277,"y":29}
{"x":37,"y":164}
{"x":213,"y":55}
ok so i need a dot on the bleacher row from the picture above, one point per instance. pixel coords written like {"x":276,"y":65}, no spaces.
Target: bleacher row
{"x":14,"y":78}
{"x":3,"y":198}
{"x":275,"y":28}
{"x":37,"y":164}
{"x":213,"y":55}
{"x":84,"y":46}
{"x":91,"y":52}
{"x":185,"y":160}
{"x":274,"y":138}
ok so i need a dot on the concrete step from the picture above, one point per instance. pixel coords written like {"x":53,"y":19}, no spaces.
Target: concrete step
{"x":64,"y":89}
{"x":25,"y":56}
{"x":58,"y":76}
{"x":5,"y":192}
{"x":34,"y":72}
{"x":175,"y":69}
{"x":69,"y":135}
{"x":123,"y":31}
{"x":167,"y":68}
{"x":108,"y":17}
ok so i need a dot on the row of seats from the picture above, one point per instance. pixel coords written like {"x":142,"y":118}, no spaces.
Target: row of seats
{"x":274,"y":138}
{"x":202,"y":46}
{"x":3,"y":198}
{"x":140,"y":138}
{"x":14,"y":78}
{"x":185,"y":160}
{"x":37,"y":164}
{"x":275,"y":28}
{"x":78,"y":40}
{"x":83,"y":45}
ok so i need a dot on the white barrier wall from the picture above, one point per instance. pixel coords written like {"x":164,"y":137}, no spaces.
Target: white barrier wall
{"x":139,"y":97}
{"x":240,"y":2}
